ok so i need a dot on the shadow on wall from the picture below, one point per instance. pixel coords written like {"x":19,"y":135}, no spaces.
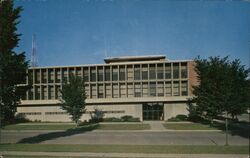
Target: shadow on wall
{"x":54,"y":135}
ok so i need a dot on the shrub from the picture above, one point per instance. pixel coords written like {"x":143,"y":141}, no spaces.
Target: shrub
{"x":178,"y":118}
{"x":112,"y":119}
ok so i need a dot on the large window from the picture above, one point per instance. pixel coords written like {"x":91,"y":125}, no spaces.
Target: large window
{"x":100,"y":91}
{"x":122,"y":73}
{"x":160,"y":71}
{"x":176,"y":70}
{"x":51,"y":93}
{"x":183,"y":70}
{"x":129,"y":72}
{"x":58,"y":75}
{"x":87,"y":90}
{"x":58,"y":93}
{"x":37,"y":92}
{"x":78,"y":72}
{"x":108,"y":90}
{"x":176,"y":88}
{"x":123,"y":90}
{"x":144,"y":72}
{"x":168,"y":89}
{"x":137,"y":90}
{"x":137,"y":72}
{"x":100,"y":73}
{"x":152,"y":89}
{"x":93,"y":91}
{"x":115,"y":91}
{"x":107,"y":73}
{"x":152,"y":71}
{"x":37,"y":76}
{"x":160,"y":89}
{"x":44,"y":75}
{"x":114,"y":73}
{"x":130,"y":90}
{"x":168,"y":71}
{"x":184,"y":89}
{"x":51,"y":75}
{"x":86,"y":74}
{"x":92,"y":74}
{"x":44,"y":92}
{"x":145,"y":89}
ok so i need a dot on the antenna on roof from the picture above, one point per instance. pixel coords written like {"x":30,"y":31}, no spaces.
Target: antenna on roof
{"x":33,"y":55}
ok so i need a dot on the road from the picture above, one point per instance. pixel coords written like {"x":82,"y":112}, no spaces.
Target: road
{"x":119,"y":137}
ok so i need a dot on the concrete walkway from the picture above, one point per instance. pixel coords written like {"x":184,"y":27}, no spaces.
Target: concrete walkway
{"x":156,"y":125}
{"x":120,"y":155}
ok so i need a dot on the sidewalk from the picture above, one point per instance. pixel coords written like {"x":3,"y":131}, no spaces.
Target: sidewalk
{"x":120,"y":155}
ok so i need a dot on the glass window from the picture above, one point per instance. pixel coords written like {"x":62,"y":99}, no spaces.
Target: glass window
{"x":145,"y":89}
{"x":122,"y":73}
{"x":58,"y":93}
{"x":30,"y":94}
{"x":100,"y":73}
{"x":176,"y":70}
{"x":78,"y":72}
{"x":44,"y":92}
{"x":184,"y":89}
{"x":176,"y":88}
{"x":64,"y":74}
{"x":160,"y":71}
{"x":100,"y":91}
{"x":123,"y":90}
{"x":86,"y":74}
{"x":183,"y":70}
{"x":51,"y":75}
{"x":160,"y":89}
{"x":93,"y":91}
{"x":114,"y":73}
{"x":51,"y":93}
{"x":108,"y":90}
{"x":168,"y":90}
{"x":37,"y":92}
{"x":129,"y":72}
{"x":58,"y":75}
{"x":137,"y":72}
{"x":92,"y":74}
{"x":107,"y":73}
{"x":130,"y":90}
{"x":71,"y":71}
{"x":152,"y":89}
{"x":168,"y":71}
{"x":115,"y":90}
{"x":87,"y":90}
{"x":152,"y":71}
{"x":144,"y":72}
{"x":37,"y":76}
{"x":137,"y":90}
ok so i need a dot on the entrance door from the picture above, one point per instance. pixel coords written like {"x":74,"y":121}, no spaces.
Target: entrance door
{"x":153,"y":111}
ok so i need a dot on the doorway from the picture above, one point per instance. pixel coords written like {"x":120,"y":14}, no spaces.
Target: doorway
{"x":153,"y":111}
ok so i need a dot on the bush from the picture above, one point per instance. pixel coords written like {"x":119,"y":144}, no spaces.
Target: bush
{"x":125,"y":118}
{"x":112,"y":119}
{"x":179,"y":118}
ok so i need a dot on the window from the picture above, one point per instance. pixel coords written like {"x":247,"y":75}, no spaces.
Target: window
{"x":51,"y":75}
{"x":58,"y":75}
{"x":137,"y":72}
{"x":137,"y":90}
{"x":176,"y":88}
{"x":145,"y":89}
{"x":93,"y":91}
{"x":152,"y":89}
{"x":160,"y":89}
{"x":176,"y":70}
{"x":129,"y":72}
{"x":115,"y":90}
{"x":30,"y":76}
{"x":183,"y":70}
{"x":184,"y":89}
{"x":78,"y":72}
{"x":108,"y":90}
{"x":86,"y":74}
{"x":114,"y":73}
{"x":100,"y":73}
{"x":122,"y":73}
{"x":64,"y":74}
{"x":168,"y":88}
{"x":160,"y":71}
{"x":30,"y":94}
{"x":144,"y":72}
{"x":51,"y":93}
{"x":130,"y":90}
{"x":123,"y":90}
{"x":37,"y":92}
{"x":107,"y":73}
{"x":71,"y":71}
{"x":100,"y":91}
{"x":168,"y":71}
{"x":87,"y":90}
{"x":44,"y":76}
{"x":37,"y":76}
{"x":58,"y":93}
{"x":92,"y":74}
{"x":152,"y":72}
{"x":44,"y":92}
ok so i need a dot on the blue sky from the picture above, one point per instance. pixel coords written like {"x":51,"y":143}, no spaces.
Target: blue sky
{"x":85,"y":31}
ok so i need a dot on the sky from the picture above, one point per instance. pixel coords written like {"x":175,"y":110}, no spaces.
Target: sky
{"x":75,"y":32}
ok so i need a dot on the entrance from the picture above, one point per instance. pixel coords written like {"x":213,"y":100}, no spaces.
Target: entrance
{"x":153,"y":111}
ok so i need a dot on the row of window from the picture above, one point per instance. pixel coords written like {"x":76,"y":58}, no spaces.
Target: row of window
{"x":65,"y":113}
{"x":115,"y":90}
{"x":111,"y":73}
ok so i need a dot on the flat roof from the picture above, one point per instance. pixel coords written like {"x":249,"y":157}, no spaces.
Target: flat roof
{"x":134,"y":58}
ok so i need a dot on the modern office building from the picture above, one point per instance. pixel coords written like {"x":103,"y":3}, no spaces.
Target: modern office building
{"x":147,"y":87}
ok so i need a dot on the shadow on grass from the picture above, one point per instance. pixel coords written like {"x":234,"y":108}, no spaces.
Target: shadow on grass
{"x":54,"y":135}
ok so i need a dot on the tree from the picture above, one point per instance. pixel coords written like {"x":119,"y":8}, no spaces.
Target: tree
{"x":73,"y":97}
{"x":223,"y":87}
{"x":13,"y":65}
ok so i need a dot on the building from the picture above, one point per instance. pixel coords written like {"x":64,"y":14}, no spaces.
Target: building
{"x":147,"y":87}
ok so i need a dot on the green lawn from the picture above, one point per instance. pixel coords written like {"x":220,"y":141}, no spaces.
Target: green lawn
{"x":180,"y":149}
{"x":62,"y":126}
{"x":124,"y":126}
{"x":20,"y":156}
{"x":188,"y":126}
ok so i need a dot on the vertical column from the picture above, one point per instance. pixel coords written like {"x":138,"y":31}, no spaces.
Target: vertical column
{"x":164,"y":79}
{"x":47,"y":82}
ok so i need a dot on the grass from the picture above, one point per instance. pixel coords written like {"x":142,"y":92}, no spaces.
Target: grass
{"x":188,"y":126}
{"x":160,"y":149}
{"x":25,"y":156}
{"x":42,"y":126}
